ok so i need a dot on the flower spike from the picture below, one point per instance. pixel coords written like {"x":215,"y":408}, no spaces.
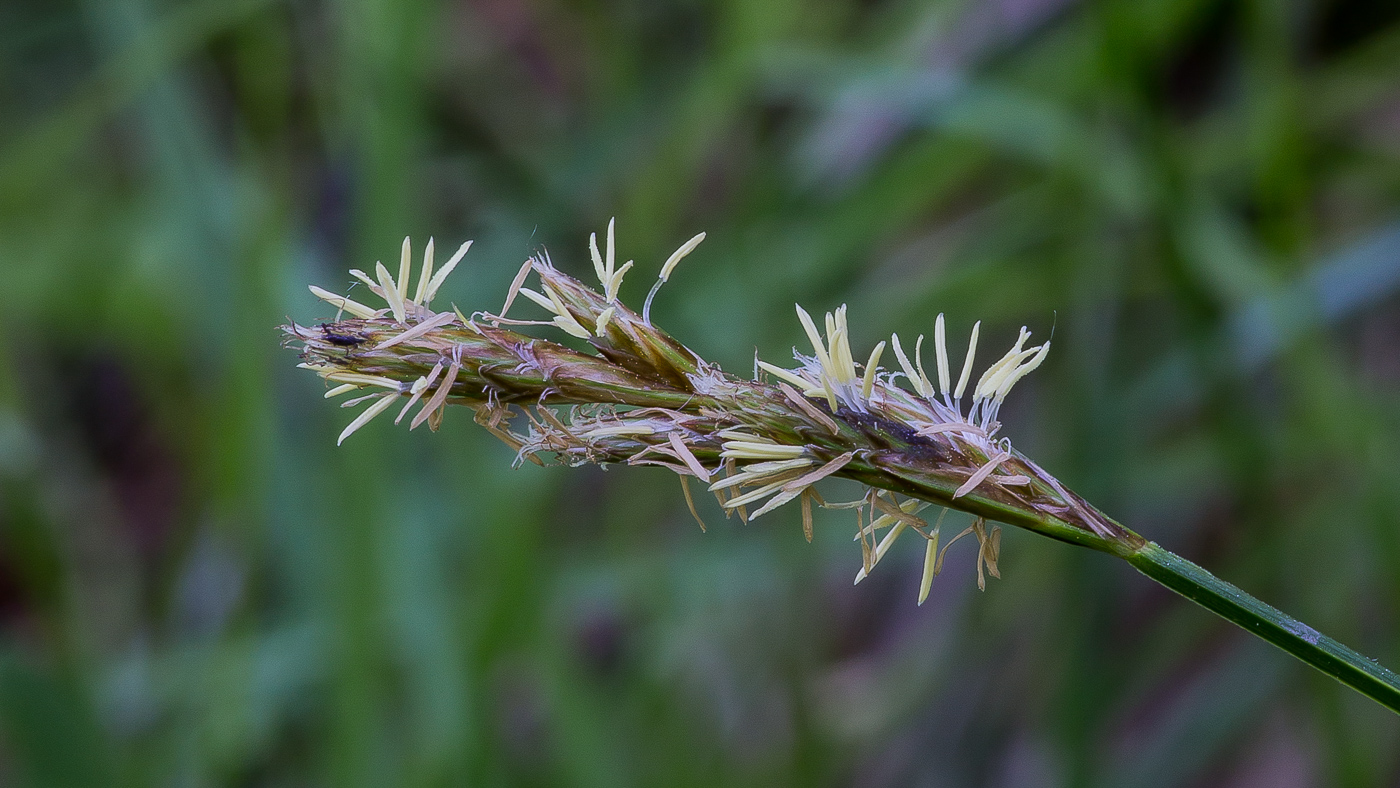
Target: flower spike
{"x":645,"y":399}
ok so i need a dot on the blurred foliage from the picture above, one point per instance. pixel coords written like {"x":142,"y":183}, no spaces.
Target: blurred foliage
{"x":1201,"y":198}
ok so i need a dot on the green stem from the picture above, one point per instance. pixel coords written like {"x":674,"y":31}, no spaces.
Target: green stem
{"x":1191,"y":581}
{"x":1302,"y":641}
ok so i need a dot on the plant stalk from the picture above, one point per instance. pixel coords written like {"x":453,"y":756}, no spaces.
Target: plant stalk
{"x":1359,"y":672}
{"x":1302,"y":641}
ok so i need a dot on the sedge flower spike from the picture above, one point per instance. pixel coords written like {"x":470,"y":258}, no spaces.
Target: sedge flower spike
{"x":614,"y":388}
{"x":642,"y":398}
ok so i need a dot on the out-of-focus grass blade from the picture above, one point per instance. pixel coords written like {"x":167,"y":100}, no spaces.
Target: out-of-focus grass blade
{"x":1358,"y":276}
{"x":50,"y":727}
{"x":1196,"y":724}
{"x":28,"y":162}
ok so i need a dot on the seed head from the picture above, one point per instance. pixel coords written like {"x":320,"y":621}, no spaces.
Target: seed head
{"x":637,"y":396}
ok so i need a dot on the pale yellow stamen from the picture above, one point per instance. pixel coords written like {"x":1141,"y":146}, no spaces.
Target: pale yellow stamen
{"x":931,"y":563}
{"x":981,"y":474}
{"x":687,"y":456}
{"x":982,"y":390}
{"x":904,"y":512}
{"x":760,"y":451}
{"x":816,"y":340}
{"x":612,"y":244}
{"x":350,"y":403}
{"x":603,"y":318}
{"x":441,"y":276}
{"x":515,"y":286}
{"x":439,"y":397}
{"x":366,"y":416}
{"x":989,"y":553}
{"x":620,"y":430}
{"x":930,"y":558}
{"x":436,"y":321}
{"x":951,"y":426}
{"x":603,"y":273}
{"x":940,"y":348}
{"x":881,"y":549}
{"x":678,"y":255}
{"x":868,"y":384}
{"x":801,"y":402}
{"x":463,"y":319}
{"x":823,"y":358}
{"x":537,"y":298}
{"x":557,"y":303}
{"x":405,"y":269}
{"x":572,"y":327}
{"x":784,"y":374}
{"x":363,"y":380}
{"x":843,"y":366}
{"x":909,"y":372}
{"x":419,"y":386}
{"x":341,"y":302}
{"x":391,"y":292}
{"x":919,"y":362}
{"x":995,"y":382}
{"x":783,"y":497}
{"x":565,"y":319}
{"x":615,"y":282}
{"x":967,"y":363}
{"x":426,"y":273}
{"x":1021,"y":371}
{"x":754,"y":495}
{"x":807,"y":515}
{"x":817,"y":475}
{"x":760,"y":472}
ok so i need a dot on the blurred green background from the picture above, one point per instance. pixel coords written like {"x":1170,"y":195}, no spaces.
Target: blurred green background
{"x":1200,"y":197}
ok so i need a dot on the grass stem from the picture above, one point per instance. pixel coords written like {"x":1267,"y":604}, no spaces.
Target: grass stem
{"x":1360,"y":673}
